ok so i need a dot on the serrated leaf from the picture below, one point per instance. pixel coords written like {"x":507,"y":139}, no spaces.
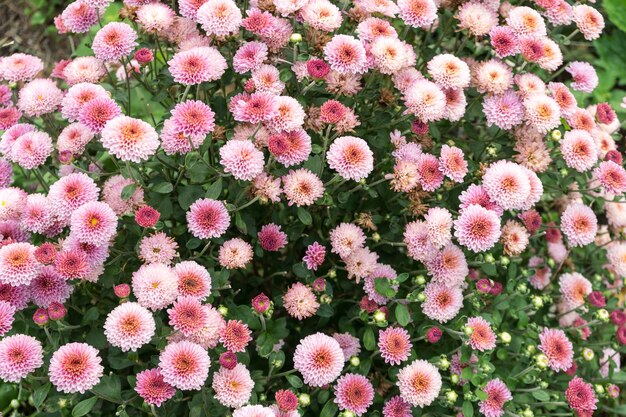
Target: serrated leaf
{"x":40,"y":394}
{"x":84,"y":407}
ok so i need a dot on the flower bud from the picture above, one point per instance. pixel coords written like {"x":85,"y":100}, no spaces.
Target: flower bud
{"x":295,"y":38}
{"x":563,"y":172}
{"x":599,"y":389}
{"x":223,"y":310}
{"x":522,"y":288}
{"x":544,"y":385}
{"x":551,"y":263}
{"x":379,"y":317}
{"x":304,"y":399}
{"x":41,"y":317}
{"x":492,"y":151}
{"x":262,"y":397}
{"x":489,"y":258}
{"x":537,"y":301}
{"x":527,"y":413}
{"x":443,"y":363}
{"x":419,"y":280}
{"x":421,"y":297}
{"x":376,"y":237}
{"x":468,"y":330}
{"x":504,"y":260}
{"x":122,"y":290}
{"x":62,"y":403}
{"x":355,"y":361}
{"x":613,"y":391}
{"x":542,"y":361}
{"x":277,"y":363}
{"x":454,"y":378}
{"x":588,"y":354}
{"x":14,"y":403}
{"x":325,"y":299}
{"x":603,"y":314}
{"x":332,"y":274}
{"x":556,"y":135}
{"x":347,"y":413}
{"x":451,"y":396}
{"x":505,"y":337}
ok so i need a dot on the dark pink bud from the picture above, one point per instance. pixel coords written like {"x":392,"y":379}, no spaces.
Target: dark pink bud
{"x":56,"y":311}
{"x":261,"y":303}
{"x":596,"y":299}
{"x":122,"y":290}
{"x":434,"y":334}
{"x":228,"y":360}
{"x":41,"y":317}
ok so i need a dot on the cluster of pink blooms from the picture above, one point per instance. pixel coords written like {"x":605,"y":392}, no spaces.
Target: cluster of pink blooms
{"x":258,"y":196}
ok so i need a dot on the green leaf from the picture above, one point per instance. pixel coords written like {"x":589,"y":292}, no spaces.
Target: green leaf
{"x":305,"y":216}
{"x":468,"y":409}
{"x":402,"y":315}
{"x":128,"y":191}
{"x":541,"y":395}
{"x":163,"y":188}
{"x":84,"y":407}
{"x":40,"y":394}
{"x":369,"y":340}
{"x":329,"y":410}
{"x":294,"y":381}
{"x":188,"y":195}
{"x":489,"y":269}
{"x":616,"y":10}
{"x":109,"y":389}
{"x":215,"y":189}
{"x":383,"y":287}
{"x":402,"y":277}
{"x":482,"y":395}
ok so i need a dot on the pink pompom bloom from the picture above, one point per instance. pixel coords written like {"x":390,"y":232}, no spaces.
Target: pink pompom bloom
{"x":302,"y":187}
{"x":477,"y":18}
{"x":394,"y":344}
{"x":146,"y":216}
{"x":114,"y":41}
{"x":497,"y":394}
{"x":152,"y":388}
{"x":584,"y":76}
{"x":611,"y":176}
{"x":290,"y":148}
{"x":255,"y":108}
{"x":322,"y":15}
{"x":19,"y":355}
{"x":235,"y":336}
{"x":71,"y":192}
{"x":219,"y":17}
{"x":345,"y":238}
{"x":129,"y":326}
{"x":20,"y":67}
{"x":351,"y":157}
{"x":504,"y":41}
{"x":452,"y":163}
{"x":588,"y":20}
{"x":193,"y":280}
{"x":425,"y":100}
{"x":77,"y":96}
{"x":418,"y":13}
{"x":354,"y":393}
{"x":557,"y":347}
{"x":346,"y":55}
{"x":477,"y":228}
{"x":482,"y":337}
{"x":396,"y":406}
{"x":157,"y":247}
{"x":122,"y":290}
{"x":184,"y":365}
{"x":507,"y":184}
{"x":419,"y":383}
{"x":448,"y":266}
{"x":542,"y":113}
{"x":193,"y":117}
{"x":129,"y":139}
{"x":442,"y":303}
{"x":74,"y":138}
{"x":85,"y":69}
{"x":233,"y":387}
{"x":581,"y":397}
{"x":579,"y":224}
{"x":155,"y":286}
{"x":579,"y":150}
{"x":49,"y":287}
{"x":79,"y":17}
{"x":249,"y":57}
{"x":235,"y":253}
{"x":242,"y":159}
{"x":271,"y":237}
{"x":449,"y":72}
{"x":32,"y":149}
{"x":188,"y":315}
{"x":254,"y":411}
{"x":75,"y":367}
{"x":574,"y":287}
{"x":319,"y":359}
{"x":97,"y":112}
{"x":11,"y":135}
{"x":197,"y":65}
{"x":300,"y":301}
{"x":38,"y":97}
{"x":9,"y":116}
{"x":18,"y":265}
{"x":17,"y":296}
{"x":314,"y":257}
{"x":208,"y":218}
{"x":155,"y":17}
{"x":503,"y":110}
{"x":7,"y":313}
{"x":93,"y":223}
{"x":350,"y":345}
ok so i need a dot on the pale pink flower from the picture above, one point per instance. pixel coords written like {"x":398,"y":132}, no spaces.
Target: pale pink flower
{"x":151,"y":387}
{"x":442,"y":303}
{"x":242,"y":159}
{"x":557,"y":347}
{"x":302,"y":187}
{"x":300,"y":301}
{"x":129,"y":326}
{"x":219,"y":17}
{"x":345,"y":54}
{"x":116,"y":40}
{"x":579,"y":224}
{"x":75,"y":367}
{"x":354,"y":393}
{"x":235,"y":253}
{"x":394,"y":344}
{"x":233,"y":387}
{"x":184,"y":365}
{"x":197,"y":65}
{"x":19,"y":355}
{"x":319,"y":359}
{"x":477,"y":228}
{"x":419,"y":383}
{"x":482,"y":336}
{"x":129,"y":139}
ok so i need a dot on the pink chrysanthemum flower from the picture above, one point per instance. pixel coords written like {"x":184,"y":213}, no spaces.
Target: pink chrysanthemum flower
{"x":39,"y":97}
{"x":350,"y":345}
{"x":235,"y":253}
{"x":563,"y":97}
{"x":197,"y":65}
{"x":442,"y":303}
{"x":419,"y":383}
{"x":557,"y":347}
{"x":448,"y":266}
{"x":300,"y":301}
{"x":504,"y":41}
{"x":219,"y":17}
{"x":361,"y":263}
{"x":497,"y":394}
{"x":72,"y":264}
{"x":20,"y":67}
{"x":612,"y":177}
{"x":74,"y":138}
{"x":492,"y":76}
{"x":354,"y":393}
{"x":588,"y":20}
{"x":129,"y":139}
{"x":319,"y":359}
{"x":396,"y":406}
{"x":581,"y":397}
{"x":482,"y":337}
{"x":189,"y":8}
{"x":146,"y":216}
{"x":152,"y":388}
{"x":18,"y":265}
{"x":158,"y":248}
{"x":75,"y":367}
{"x":254,"y":411}
{"x":12,"y":200}
{"x":290,"y":117}
{"x":242,"y":159}
{"x":208,"y":218}
{"x":394,"y":344}
{"x":452,"y":163}
{"x":351,"y":157}
{"x":314,"y":257}
{"x":290,"y":148}
{"x":9,"y":116}
{"x":449,"y":72}
{"x":193,"y":280}
{"x":11,"y":135}
{"x":233,"y":387}
{"x":345,"y":54}
{"x":155,"y":286}
{"x":579,"y":224}
{"x":503,"y":110}
{"x":19,"y":355}
{"x":477,"y":18}
{"x":477,"y":228}
{"x":114,"y":41}
{"x":346,"y":238}
{"x":584,"y":77}
{"x":425,"y":100}
{"x":94,"y":223}
{"x":32,"y":149}
{"x":266,"y":79}
{"x":97,"y":112}
{"x":18,"y":296}
{"x":46,"y":253}
{"x":527,"y":22}
{"x":507,"y":184}
{"x":322,"y":15}
{"x":514,"y":238}
{"x":184,"y":365}
{"x":418,"y":13}
{"x":49,"y":287}
{"x":175,"y":141}
{"x":419,"y":246}
{"x":207,"y":337}
{"x":373,"y":27}
{"x":574,"y":288}
{"x":79,"y":17}
{"x":271,"y":238}
{"x":77,"y":96}
{"x":188,"y":315}
{"x":193,"y":117}
{"x":112,"y":195}
{"x":439,"y":223}
{"x":384,"y":272}
{"x":7,"y":314}
{"x":235,"y":336}
{"x":249,"y":57}
{"x":71,"y":192}
{"x":302,"y":187}
{"x":390,"y":54}
{"x":429,"y":172}
{"x":579,"y":150}
{"x":255,"y":108}
{"x":155,"y":17}
{"x":542,"y":113}
{"x":129,"y":326}
{"x":85,"y":69}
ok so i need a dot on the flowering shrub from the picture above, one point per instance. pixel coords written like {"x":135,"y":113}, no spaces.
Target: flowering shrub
{"x":283,"y":208}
